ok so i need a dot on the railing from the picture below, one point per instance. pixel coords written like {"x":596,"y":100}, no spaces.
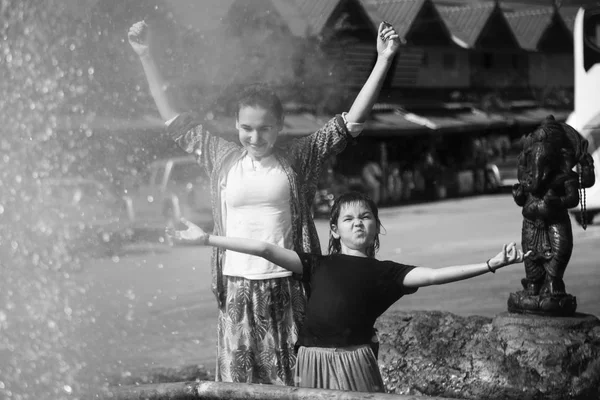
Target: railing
{"x":204,"y":390}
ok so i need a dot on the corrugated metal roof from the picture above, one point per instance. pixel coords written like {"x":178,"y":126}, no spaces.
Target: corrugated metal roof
{"x":391,"y":124}
{"x":568,"y":15}
{"x":400,"y":13}
{"x":316,"y":12}
{"x":535,"y":116}
{"x":284,"y":12}
{"x":441,"y":121}
{"x":530,"y":25}
{"x":454,"y":122}
{"x":373,"y":12}
{"x":294,"y":18}
{"x":208,"y":15}
{"x":482,"y":119}
{"x":205,"y":15}
{"x":467,"y":23}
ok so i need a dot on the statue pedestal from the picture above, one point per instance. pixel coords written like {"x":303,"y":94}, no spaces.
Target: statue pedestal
{"x":510,"y":356}
{"x":578,"y":322}
{"x":563,"y":305}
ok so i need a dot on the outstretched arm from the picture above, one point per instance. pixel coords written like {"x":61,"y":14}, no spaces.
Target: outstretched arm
{"x":283,"y":257}
{"x":140,"y":39}
{"x":419,"y":276}
{"x":388,"y":44}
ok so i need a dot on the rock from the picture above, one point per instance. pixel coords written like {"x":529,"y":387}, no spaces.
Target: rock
{"x":512,"y":356}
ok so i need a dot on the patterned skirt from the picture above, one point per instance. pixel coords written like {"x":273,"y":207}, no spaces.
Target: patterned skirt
{"x":258,"y":329}
{"x":346,"y":368}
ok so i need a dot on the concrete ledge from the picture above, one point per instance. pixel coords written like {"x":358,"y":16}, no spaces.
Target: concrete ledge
{"x":237,"y":391}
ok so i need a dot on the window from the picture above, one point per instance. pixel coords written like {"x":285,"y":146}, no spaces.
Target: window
{"x":488,"y":60}
{"x":449,"y":61}
{"x":425,"y":59}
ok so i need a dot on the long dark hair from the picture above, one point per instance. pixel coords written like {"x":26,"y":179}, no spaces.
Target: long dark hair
{"x":335,"y":246}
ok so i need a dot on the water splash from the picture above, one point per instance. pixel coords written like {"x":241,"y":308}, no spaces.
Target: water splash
{"x":50,"y":74}
{"x":68,"y":83}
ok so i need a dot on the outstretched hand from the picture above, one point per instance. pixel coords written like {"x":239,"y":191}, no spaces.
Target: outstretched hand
{"x":388,"y":40}
{"x":508,"y":255}
{"x":139,"y":38}
{"x":192,"y":235}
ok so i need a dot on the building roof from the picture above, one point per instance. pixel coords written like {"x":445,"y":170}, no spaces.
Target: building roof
{"x":316,"y":12}
{"x":391,"y":124}
{"x":419,"y":17}
{"x":535,"y":116}
{"x":294,"y":18}
{"x":400,"y":13}
{"x":467,"y":23}
{"x":568,"y":15}
{"x":529,"y":25}
{"x":205,"y":15}
{"x":208,"y":15}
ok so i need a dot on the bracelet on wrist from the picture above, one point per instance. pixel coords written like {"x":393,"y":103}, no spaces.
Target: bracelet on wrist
{"x":492,"y":270}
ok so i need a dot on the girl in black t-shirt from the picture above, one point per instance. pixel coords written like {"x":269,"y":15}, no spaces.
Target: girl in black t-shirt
{"x":349,"y":290}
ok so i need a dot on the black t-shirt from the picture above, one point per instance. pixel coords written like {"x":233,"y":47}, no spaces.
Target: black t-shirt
{"x":348,"y":294}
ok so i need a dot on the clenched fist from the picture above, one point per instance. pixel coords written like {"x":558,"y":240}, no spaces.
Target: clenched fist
{"x":139,"y":38}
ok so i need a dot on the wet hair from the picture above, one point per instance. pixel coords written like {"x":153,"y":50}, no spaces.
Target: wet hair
{"x":335,"y":247}
{"x":262,"y":95}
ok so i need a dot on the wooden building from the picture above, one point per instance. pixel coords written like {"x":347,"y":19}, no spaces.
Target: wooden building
{"x":543,"y":33}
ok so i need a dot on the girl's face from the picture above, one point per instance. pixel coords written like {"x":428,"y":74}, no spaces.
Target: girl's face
{"x":258,"y":129}
{"x":356,"y":228}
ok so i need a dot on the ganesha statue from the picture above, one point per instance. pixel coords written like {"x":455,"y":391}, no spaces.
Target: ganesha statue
{"x":554,"y":168}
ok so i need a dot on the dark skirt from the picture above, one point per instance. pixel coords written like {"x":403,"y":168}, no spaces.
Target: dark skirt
{"x":350,"y":368}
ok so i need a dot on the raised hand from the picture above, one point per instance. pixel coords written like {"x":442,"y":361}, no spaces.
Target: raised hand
{"x":192,"y":235}
{"x":509,"y":254}
{"x":388,"y":41}
{"x":139,"y":38}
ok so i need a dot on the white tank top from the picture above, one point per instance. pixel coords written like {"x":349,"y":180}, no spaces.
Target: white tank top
{"x":257,"y":206}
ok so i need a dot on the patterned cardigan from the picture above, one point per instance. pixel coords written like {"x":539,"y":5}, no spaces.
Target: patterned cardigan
{"x":301,"y":159}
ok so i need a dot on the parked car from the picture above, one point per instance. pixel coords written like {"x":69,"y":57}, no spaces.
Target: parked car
{"x":502,"y":173}
{"x":169,"y":189}
{"x":83,"y":215}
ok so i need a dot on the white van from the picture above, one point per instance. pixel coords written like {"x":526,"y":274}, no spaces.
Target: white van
{"x":586,"y":115}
